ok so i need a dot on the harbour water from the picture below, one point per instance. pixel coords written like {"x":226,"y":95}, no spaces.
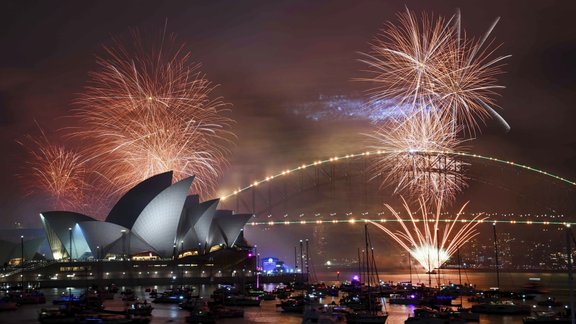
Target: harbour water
{"x":555,"y":285}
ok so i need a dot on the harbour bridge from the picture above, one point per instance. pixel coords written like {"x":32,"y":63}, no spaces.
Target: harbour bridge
{"x":345,"y":190}
{"x":345,"y":186}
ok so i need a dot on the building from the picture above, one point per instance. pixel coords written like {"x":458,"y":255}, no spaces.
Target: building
{"x":156,"y":219}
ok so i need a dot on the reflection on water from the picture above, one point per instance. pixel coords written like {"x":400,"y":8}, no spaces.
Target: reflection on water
{"x":555,"y":283}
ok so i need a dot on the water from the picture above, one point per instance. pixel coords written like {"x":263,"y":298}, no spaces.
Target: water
{"x":555,"y":283}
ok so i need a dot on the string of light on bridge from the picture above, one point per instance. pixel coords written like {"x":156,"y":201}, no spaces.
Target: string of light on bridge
{"x":473,"y":214}
{"x":407,"y":220}
{"x":368,"y":153}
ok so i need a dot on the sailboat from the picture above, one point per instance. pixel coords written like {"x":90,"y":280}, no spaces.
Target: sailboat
{"x":372,"y":314}
{"x":568,"y":316}
{"x":499,"y":306}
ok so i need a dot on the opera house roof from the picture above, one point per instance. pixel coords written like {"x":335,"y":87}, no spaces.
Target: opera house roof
{"x":154,"y":216}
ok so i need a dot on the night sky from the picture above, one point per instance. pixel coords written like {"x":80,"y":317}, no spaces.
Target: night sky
{"x":281,"y":64}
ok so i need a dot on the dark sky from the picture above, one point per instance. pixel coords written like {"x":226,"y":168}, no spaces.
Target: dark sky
{"x":273,"y":57}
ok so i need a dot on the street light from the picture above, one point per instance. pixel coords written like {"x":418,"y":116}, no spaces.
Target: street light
{"x":70,"y":254}
{"x":123,"y":244}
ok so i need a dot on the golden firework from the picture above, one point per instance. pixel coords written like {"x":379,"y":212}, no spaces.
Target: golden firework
{"x":55,"y":170}
{"x":427,"y":241}
{"x":417,"y":160}
{"x":148,"y":110}
{"x":431,"y":62}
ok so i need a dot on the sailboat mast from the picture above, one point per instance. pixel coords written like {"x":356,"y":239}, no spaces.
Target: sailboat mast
{"x":459,"y":266}
{"x":570,"y":276}
{"x":438,"y":256}
{"x":410,"y":265}
{"x":496,"y":257}
{"x":360,"y":273}
{"x":460,"y":274}
{"x":373,"y":262}
{"x":367,"y":254}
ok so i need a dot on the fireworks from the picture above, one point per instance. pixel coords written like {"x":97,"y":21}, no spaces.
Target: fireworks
{"x":149,"y":110}
{"x":445,"y":83}
{"x":57,"y":171}
{"x":429,"y":243}
{"x":411,"y":161}
{"x":432,"y":63}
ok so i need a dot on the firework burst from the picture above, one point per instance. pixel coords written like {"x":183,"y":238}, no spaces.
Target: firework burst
{"x":431,"y":62}
{"x":148,"y":110}
{"x":427,"y":241}
{"x":411,"y":161}
{"x":445,"y":83}
{"x":55,"y":170}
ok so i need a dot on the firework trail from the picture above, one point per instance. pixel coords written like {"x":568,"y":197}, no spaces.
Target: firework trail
{"x":432,"y":62}
{"x":425,"y":239}
{"x":445,"y":83}
{"x":55,"y":170}
{"x":149,"y":110}
{"x":411,"y":163}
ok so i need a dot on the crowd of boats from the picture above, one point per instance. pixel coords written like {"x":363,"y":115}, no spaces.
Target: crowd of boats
{"x":363,"y":304}
{"x":349,"y":302}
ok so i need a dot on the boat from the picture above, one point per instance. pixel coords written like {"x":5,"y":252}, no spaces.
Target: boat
{"x":548,"y":318}
{"x":317,"y":313}
{"x":366,"y":317}
{"x":459,"y":312}
{"x":170,"y":297}
{"x":67,"y":299}
{"x":268,"y":296}
{"x":201,"y":316}
{"x":501,"y":307}
{"x":420,"y":300}
{"x":292,"y":305}
{"x":140,"y":309}
{"x":550,"y":302}
{"x":282,"y":293}
{"x":427,"y":315}
{"x":358,"y":302}
{"x":505,"y":307}
{"x":71,"y":314}
{"x":241,"y":301}
{"x":373,"y":312}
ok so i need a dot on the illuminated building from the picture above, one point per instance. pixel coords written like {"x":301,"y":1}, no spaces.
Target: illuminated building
{"x":156,"y":219}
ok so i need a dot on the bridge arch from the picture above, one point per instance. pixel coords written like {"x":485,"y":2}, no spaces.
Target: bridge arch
{"x":262,"y":196}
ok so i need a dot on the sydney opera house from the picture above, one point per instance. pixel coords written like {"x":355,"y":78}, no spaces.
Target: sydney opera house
{"x":155,"y":226}
{"x":155,"y":218}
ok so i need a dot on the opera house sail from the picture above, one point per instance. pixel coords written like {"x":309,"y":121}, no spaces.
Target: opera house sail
{"x":155,"y":217}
